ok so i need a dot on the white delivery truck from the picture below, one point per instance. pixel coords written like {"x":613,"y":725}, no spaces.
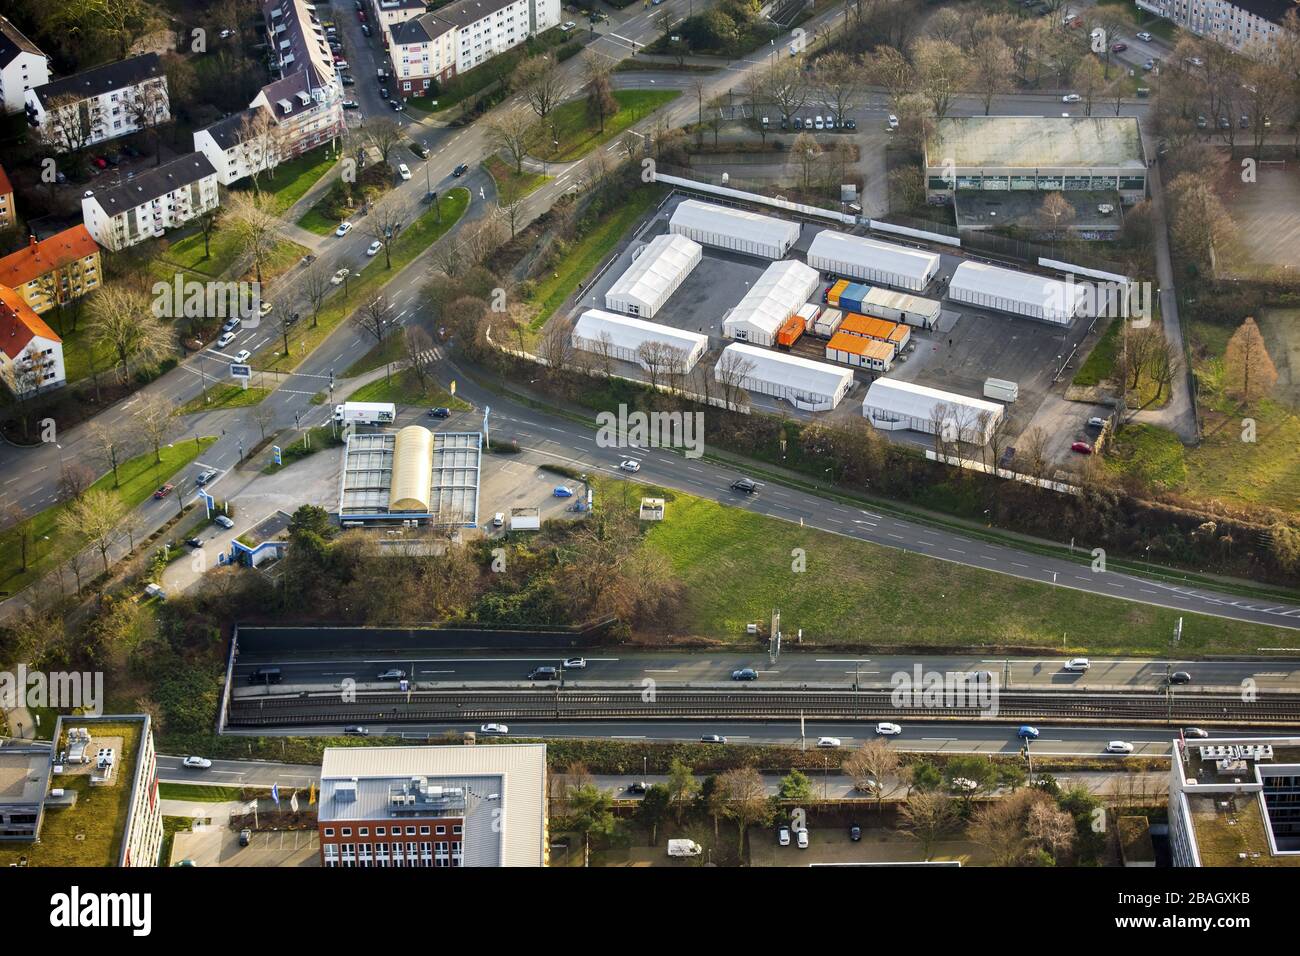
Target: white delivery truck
{"x":1001,"y":389}
{"x":684,"y":848}
{"x":365,"y":413}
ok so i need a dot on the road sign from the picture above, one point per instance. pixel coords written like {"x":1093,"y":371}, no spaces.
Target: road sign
{"x":453,"y":386}
{"x":275,"y":454}
{"x":241,"y":371}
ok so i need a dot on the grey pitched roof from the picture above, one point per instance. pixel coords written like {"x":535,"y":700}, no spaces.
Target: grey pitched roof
{"x":225,"y":132}
{"x":102,"y":79}
{"x":12,"y":42}
{"x":465,"y":12}
{"x":146,"y":187}
{"x":421,"y":29}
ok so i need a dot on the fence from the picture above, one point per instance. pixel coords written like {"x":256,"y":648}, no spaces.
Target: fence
{"x":740,"y":195}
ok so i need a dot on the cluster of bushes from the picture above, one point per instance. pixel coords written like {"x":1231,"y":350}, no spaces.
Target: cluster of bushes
{"x":344,"y":198}
{"x":732,"y":28}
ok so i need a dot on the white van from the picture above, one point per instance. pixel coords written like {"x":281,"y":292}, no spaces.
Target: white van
{"x":1078,"y":664}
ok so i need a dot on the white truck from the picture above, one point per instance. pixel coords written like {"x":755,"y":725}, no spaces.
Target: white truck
{"x":684,"y":848}
{"x":365,"y":413}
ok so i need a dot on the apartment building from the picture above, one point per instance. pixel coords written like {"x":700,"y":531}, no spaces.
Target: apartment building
{"x":53,"y":271}
{"x":460,"y":36}
{"x":22,"y":67}
{"x":239,"y":145}
{"x":1235,"y":801}
{"x":1239,"y":25}
{"x":306,"y":99}
{"x":433,"y":806}
{"x":100,"y":104}
{"x":385,"y":13}
{"x":7,"y":215}
{"x":155,"y":201}
{"x":31,"y":353}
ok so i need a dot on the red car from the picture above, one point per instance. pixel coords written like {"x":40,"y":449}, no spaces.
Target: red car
{"x":1118,"y":47}
{"x":1082,"y":447}
{"x":361,"y":15}
{"x":163,"y":492}
{"x":100,"y":161}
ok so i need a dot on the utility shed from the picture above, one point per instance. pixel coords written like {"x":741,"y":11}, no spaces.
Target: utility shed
{"x":891,"y":405}
{"x":735,"y":229}
{"x":780,"y":292}
{"x":659,"y":268}
{"x":623,"y":338}
{"x":873,"y":260}
{"x":1020,"y":293}
{"x":804,"y":383}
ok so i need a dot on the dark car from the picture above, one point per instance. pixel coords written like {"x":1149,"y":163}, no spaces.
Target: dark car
{"x":245,"y":836}
{"x":194,"y":542}
{"x":713,"y":739}
{"x":850,"y":124}
{"x":460,"y":170}
{"x":440,"y":413}
{"x":543,"y":673}
{"x":365,"y":28}
{"x":745,"y":673}
{"x":383,"y":91}
{"x":638,"y":786}
{"x":745,"y":486}
{"x":855,"y":832}
{"x":1180,"y":677}
{"x":355,"y":731}
{"x":347,"y":80}
{"x":419,"y":149}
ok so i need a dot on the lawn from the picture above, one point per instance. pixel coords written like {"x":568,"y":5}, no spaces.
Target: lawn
{"x":289,"y":181}
{"x":587,"y":252}
{"x":404,"y":389}
{"x":139,"y":477}
{"x":392,"y":349}
{"x":80,"y":353}
{"x":578,"y":133}
{"x":480,"y":78}
{"x":227,"y":396}
{"x":1099,"y":366}
{"x":504,"y":175}
{"x":737,"y":566}
{"x":316,"y":439}
{"x":199,"y":794}
{"x":415,"y":239}
{"x":1154,"y":454}
{"x":186,"y":254}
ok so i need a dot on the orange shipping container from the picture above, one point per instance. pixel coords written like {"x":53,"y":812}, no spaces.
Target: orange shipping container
{"x":865,"y":325}
{"x":833,"y":294}
{"x":790,"y":331}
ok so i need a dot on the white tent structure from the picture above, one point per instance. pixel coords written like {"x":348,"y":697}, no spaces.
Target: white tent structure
{"x":872,"y":260}
{"x":621,"y":337}
{"x":782,"y":289}
{"x":892,"y":405}
{"x":1019,"y":293}
{"x":811,"y":386}
{"x":735,"y":229}
{"x":659,"y":268}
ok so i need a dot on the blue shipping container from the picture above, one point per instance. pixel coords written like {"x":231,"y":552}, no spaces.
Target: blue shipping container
{"x":851,"y":298}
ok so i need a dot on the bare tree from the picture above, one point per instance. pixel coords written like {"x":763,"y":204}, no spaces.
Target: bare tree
{"x":869,"y":766}
{"x":731,"y":372}
{"x":256,"y":142}
{"x":68,"y":123}
{"x":147,"y":106}
{"x":384,"y":224}
{"x":315,"y":286}
{"x":1033,"y":451}
{"x":111,"y":445}
{"x":376,"y":317}
{"x":93,"y":516}
{"x":942,"y":69}
{"x":1248,"y":372}
{"x":384,"y":134}
{"x":744,"y":800}
{"x":542,"y":84}
{"x":419,"y":352}
{"x":555,"y":347}
{"x":929,"y":816}
{"x":154,"y":415}
{"x":121,"y":319}
{"x":255,"y":225}
{"x":1054,"y":212}
{"x":839,"y":79}
{"x":786,"y":86}
{"x":596,"y":74}
{"x":512,"y":133}
{"x":74,"y":478}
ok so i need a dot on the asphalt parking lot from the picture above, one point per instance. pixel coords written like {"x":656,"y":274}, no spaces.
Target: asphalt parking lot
{"x":219,"y":846}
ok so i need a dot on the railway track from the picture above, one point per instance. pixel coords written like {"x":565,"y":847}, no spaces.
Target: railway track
{"x":632,"y":704}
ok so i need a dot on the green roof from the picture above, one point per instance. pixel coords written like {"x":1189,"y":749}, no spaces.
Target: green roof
{"x":1036,"y":142}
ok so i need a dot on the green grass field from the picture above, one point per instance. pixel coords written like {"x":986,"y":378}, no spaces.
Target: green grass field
{"x":404,"y":389}
{"x":289,"y":181}
{"x":738,"y":567}
{"x":588,"y":251}
{"x":316,"y":439}
{"x":415,"y":239}
{"x":578,"y":134}
{"x":1100,"y":363}
{"x":1154,"y":454}
{"x":392,"y":349}
{"x":198,"y":794}
{"x":504,"y":175}
{"x":227,"y":396}
{"x":139,"y":477}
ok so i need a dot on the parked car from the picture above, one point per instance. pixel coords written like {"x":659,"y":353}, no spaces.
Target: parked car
{"x":1082,"y":447}
{"x":575,"y":664}
{"x":374,"y":247}
{"x":852,"y":123}
{"x":630,"y":464}
{"x":783,"y":836}
{"x":713,"y":739}
{"x":355,"y":730}
{"x":1202,"y":123}
{"x":1119,"y":747}
{"x":338,"y":277}
{"x":197,"y":763}
{"x":194,"y":542}
{"x":1027,"y":732}
{"x":891,"y":122}
{"x":460,"y":170}
{"x":798,"y":123}
{"x":365,"y":28}
{"x":396,"y":104}
{"x":347,"y":80}
{"x":440,"y":412}
{"x":164,"y":491}
{"x":499,"y":519}
{"x":829,"y":742}
{"x":817,"y":122}
{"x":225,"y":339}
{"x":638,"y":786}
{"x":802,"y":839}
{"x":1180,"y":677}
{"x":351,"y":105}
{"x":1096,"y":422}
{"x":494,"y":730}
{"x":419,"y":149}
{"x":243,"y":355}
{"x":1078,"y":664}
{"x":245,"y":836}
{"x":744,"y":673}
{"x":343,"y":229}
{"x":855,"y":832}
{"x":562,"y":492}
{"x":887,"y":729}
{"x":224,"y":521}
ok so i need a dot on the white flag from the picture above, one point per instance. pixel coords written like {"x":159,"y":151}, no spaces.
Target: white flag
{"x":252,"y":807}
{"x":293,"y":802}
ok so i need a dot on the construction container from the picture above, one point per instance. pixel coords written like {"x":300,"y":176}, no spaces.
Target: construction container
{"x":871,"y":328}
{"x":901,"y":307}
{"x":833,"y":293}
{"x":860,"y":352}
{"x":1001,"y":389}
{"x":809,"y":315}
{"x":828,"y":323}
{"x":851,"y":299}
{"x":790,"y":331}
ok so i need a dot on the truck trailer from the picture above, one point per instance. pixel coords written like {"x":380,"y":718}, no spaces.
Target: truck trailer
{"x":365,"y":413}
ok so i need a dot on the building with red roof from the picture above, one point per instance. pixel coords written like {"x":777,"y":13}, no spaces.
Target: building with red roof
{"x":54,"y":270}
{"x":31,"y":353}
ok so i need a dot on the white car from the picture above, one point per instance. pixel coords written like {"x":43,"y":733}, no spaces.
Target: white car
{"x":783,"y":836}
{"x":817,"y":123}
{"x":403,"y":171}
{"x":803,"y":839}
{"x":1144,"y":37}
{"x":242,"y":355}
{"x":197,"y":763}
{"x":226,"y":339}
{"x":1119,"y":747}
{"x":338,"y":277}
{"x":224,"y":521}
{"x":343,"y":229}
{"x":265,"y":309}
{"x":1077,"y":664}
{"x":828,"y":741}
{"x":227,"y":34}
{"x":494,"y":729}
{"x":374,"y":247}
{"x":629,"y":464}
{"x":886,"y":729}
{"x":892,"y":121}
{"x":499,"y":519}
{"x":575,"y":664}
{"x":1071,"y":98}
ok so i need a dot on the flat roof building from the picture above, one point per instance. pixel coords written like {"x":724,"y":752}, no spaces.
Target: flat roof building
{"x":411,"y":474}
{"x":739,"y":230}
{"x":1019,"y":293}
{"x":433,"y":806}
{"x":872,"y":260}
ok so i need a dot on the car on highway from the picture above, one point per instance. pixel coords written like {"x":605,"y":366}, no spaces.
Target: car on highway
{"x":1077,"y":664}
{"x":744,"y":673}
{"x":460,"y":170}
{"x":338,"y":277}
{"x":440,"y":412}
{"x":1144,"y":36}
{"x":562,"y":492}
{"x":343,"y":229}
{"x":855,"y":832}
{"x":393,"y":673}
{"x":230,"y":324}
{"x":1071,"y":98}
{"x":1027,"y":732}
{"x":783,"y":836}
{"x":1119,"y":747}
{"x":197,"y":763}
{"x":494,"y":730}
{"x":164,"y":491}
{"x":1082,"y":447}
{"x":242,"y":355}
{"x":713,"y":739}
{"x":205,"y":476}
{"x":637,"y":786}
{"x":355,"y":730}
{"x":543,"y":673}
{"x":802,"y":839}
{"x":1196,"y":733}
{"x":374,"y":247}
{"x":745,"y":486}
{"x":629,"y":464}
{"x":224,"y":521}
{"x":888,"y":729}
{"x":225,"y":339}
{"x":575,"y":664}
{"x":1180,"y":677}
{"x":828,"y":742}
